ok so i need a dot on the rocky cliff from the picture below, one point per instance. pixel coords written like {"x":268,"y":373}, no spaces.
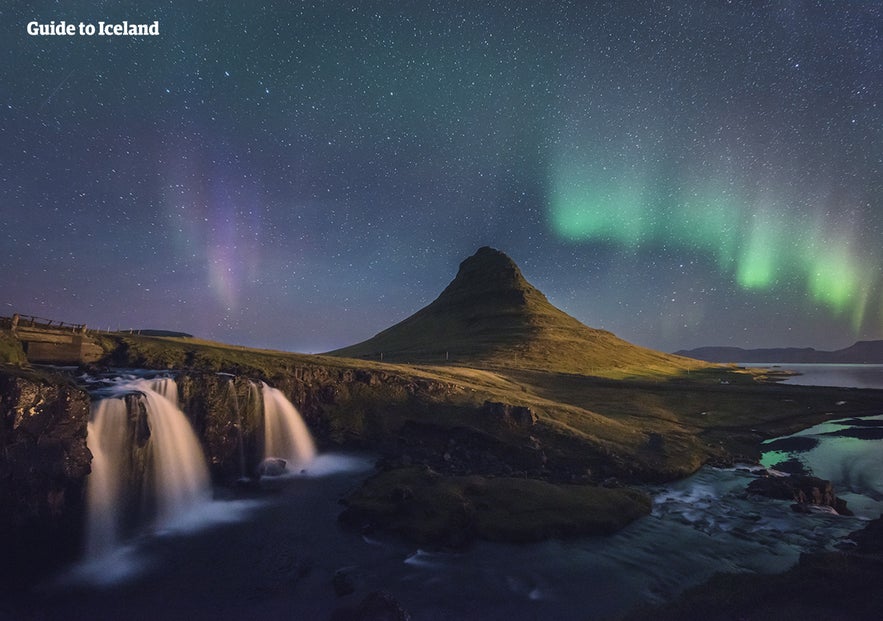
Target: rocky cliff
{"x":400,"y":417}
{"x":43,"y":466}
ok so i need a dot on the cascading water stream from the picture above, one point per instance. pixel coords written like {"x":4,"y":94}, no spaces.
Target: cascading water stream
{"x":106,"y":439}
{"x":285,"y":434}
{"x":165,"y":386}
{"x":180,"y":471}
{"x":170,"y":467}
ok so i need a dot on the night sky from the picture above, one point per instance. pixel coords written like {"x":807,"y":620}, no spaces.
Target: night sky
{"x":301,"y":175}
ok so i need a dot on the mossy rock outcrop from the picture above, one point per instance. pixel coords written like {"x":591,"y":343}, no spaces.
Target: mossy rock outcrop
{"x":431,"y":509}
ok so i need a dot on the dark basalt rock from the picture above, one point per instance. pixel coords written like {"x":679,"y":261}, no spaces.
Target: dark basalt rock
{"x":791,"y":466}
{"x":377,"y":606}
{"x":792,"y":445}
{"x":863,"y":422}
{"x":804,"y":490}
{"x":862,"y":433}
{"x":226,"y":417}
{"x":346,"y":580}
{"x":44,"y":462}
{"x":272,"y":467}
{"x":463,"y":450}
{"x":825,"y":585}
{"x":509,"y":415}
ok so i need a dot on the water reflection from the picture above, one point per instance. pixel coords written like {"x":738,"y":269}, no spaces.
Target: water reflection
{"x":841,"y":375}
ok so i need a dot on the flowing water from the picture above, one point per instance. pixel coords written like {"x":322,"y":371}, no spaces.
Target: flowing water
{"x":169,"y":468}
{"x":281,"y":555}
{"x":165,"y":386}
{"x":106,"y":438}
{"x":180,"y":472}
{"x":285,"y":434}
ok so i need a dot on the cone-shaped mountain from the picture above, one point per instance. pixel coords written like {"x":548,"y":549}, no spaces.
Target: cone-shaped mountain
{"x":491,"y":316}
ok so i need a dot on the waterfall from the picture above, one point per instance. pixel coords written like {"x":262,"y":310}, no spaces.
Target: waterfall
{"x":255,"y":411}
{"x":165,"y":386}
{"x":180,"y":471}
{"x":167,"y":465}
{"x":106,"y":438}
{"x":285,"y":434}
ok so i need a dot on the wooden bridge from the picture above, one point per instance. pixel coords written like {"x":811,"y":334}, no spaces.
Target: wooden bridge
{"x":48,"y":341}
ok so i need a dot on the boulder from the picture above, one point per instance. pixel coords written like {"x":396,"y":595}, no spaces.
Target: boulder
{"x":509,"y":415}
{"x":803,"y":490}
{"x":272,"y":467}
{"x":346,"y":579}
{"x":377,"y":606}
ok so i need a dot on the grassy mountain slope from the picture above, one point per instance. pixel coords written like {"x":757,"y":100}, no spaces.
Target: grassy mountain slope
{"x":491,"y":316}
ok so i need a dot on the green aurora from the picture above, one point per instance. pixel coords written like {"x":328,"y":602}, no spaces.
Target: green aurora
{"x":763,"y":242}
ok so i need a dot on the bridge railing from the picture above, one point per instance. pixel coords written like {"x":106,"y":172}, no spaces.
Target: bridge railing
{"x":41,"y":323}
{"x":32,"y":321}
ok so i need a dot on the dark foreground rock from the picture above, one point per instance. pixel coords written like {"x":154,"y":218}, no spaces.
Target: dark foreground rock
{"x":377,"y":606}
{"x":44,"y":462}
{"x":804,"y":490}
{"x":431,"y":509}
{"x":822,"y":587}
{"x":861,"y":433}
{"x":792,"y":444}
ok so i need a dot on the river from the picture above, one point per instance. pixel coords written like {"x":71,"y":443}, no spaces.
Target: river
{"x":282,"y":555}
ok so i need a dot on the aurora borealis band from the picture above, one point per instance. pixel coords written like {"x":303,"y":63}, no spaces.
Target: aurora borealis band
{"x":301,"y":175}
{"x":761,"y":242}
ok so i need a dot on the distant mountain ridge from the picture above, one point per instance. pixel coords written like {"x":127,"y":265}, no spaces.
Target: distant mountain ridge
{"x":490,"y":315}
{"x":861,"y":352}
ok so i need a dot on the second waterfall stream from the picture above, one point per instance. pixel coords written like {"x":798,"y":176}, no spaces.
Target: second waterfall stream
{"x":285,"y":434}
